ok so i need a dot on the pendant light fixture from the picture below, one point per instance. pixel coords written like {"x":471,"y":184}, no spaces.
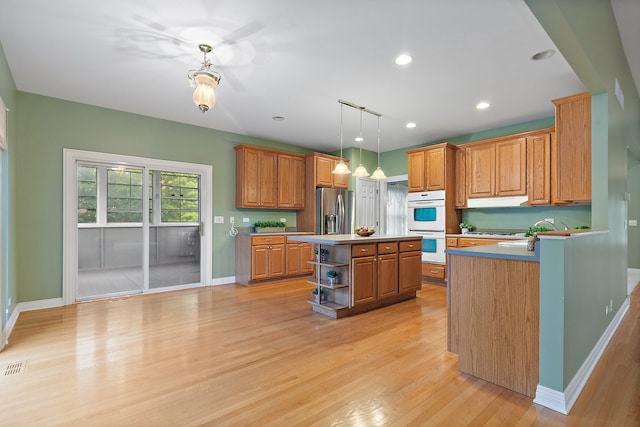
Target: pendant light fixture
{"x":378,"y":173}
{"x":204,"y":82}
{"x":360,"y":171}
{"x":341,"y":167}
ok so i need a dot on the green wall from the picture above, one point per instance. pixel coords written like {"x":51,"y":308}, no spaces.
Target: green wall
{"x":47,"y":125}
{"x":8,"y":260}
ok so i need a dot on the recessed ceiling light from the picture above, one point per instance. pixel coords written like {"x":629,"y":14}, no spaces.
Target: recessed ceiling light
{"x":544,"y":54}
{"x":403,"y":59}
{"x":359,"y":139}
{"x":410,"y":125}
{"x":482,"y":105}
{"x":277,"y":118}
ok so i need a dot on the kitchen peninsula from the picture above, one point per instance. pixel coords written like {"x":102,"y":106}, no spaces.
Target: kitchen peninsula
{"x":493,"y":305}
{"x":371,"y":272}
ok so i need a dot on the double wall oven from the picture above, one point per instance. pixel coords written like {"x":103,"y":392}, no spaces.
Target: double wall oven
{"x":427,"y":219}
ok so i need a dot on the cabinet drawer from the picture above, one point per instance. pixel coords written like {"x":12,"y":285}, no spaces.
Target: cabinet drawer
{"x":411,"y":245}
{"x":267,"y":240}
{"x":364,"y":250}
{"x":387,"y":248}
{"x":466,"y":242}
{"x":436,"y":271}
{"x":452,"y":242}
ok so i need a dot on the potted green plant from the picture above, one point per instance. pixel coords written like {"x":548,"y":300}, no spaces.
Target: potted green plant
{"x":321,"y":255}
{"x":532,"y":237}
{"x":332,"y":275}
{"x":269,"y":226}
{"x":466,"y":227}
{"x":318,"y":297}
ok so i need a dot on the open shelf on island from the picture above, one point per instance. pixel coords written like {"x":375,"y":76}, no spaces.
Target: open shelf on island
{"x":325,"y":284}
{"x":328,"y":263}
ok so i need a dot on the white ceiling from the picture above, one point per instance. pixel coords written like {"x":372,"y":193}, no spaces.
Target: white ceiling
{"x":294,"y":59}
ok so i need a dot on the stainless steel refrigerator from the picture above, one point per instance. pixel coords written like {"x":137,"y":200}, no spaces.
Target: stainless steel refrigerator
{"x":334,"y":211}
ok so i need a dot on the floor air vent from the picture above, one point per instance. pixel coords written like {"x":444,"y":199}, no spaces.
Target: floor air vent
{"x":15,"y":368}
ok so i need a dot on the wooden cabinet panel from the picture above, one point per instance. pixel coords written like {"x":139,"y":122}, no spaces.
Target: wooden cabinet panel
{"x":435,"y":169}
{"x":465,"y":242}
{"x":387,"y":275}
{"x":363,"y":250}
{"x":409,"y":271}
{"x":276,"y":261}
{"x":436,"y":271}
{"x":259,"y":262}
{"x":256,"y":177}
{"x":452,"y":242}
{"x":511,"y":167}
{"x":481,"y":170}
{"x":340,"y":181}
{"x":416,"y":174}
{"x":571,"y":150}
{"x":539,"y":169}
{"x":410,"y":245}
{"x":268,"y":175}
{"x":297,"y":256}
{"x":364,"y":279}
{"x":291,"y":181}
{"x":461,"y":179}
{"x":324,"y":176}
{"x":387,"y":248}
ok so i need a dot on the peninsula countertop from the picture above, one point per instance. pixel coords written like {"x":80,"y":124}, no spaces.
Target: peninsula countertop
{"x":350,"y":239}
{"x":499,"y":251}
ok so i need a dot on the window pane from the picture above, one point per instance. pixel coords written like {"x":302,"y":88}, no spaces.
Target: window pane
{"x":124,"y":195}
{"x":179,"y":197}
{"x":87,"y":194}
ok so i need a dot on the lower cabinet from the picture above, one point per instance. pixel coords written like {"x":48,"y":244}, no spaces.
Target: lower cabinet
{"x":298,"y":254}
{"x":387,"y":269}
{"x":409,"y":267}
{"x":364,"y":280}
{"x":267,"y":257}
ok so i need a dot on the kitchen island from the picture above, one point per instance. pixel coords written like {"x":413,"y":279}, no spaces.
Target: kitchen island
{"x":365,"y":273}
{"x":493,"y":305}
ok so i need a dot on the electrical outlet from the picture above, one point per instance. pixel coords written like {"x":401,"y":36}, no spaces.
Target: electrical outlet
{"x":633,"y":223}
{"x":283,"y":219}
{"x":9,"y":302}
{"x":611,"y":305}
{"x":245,"y":219}
{"x":232,"y":220}
{"x":550,"y":220}
{"x":218,"y":220}
{"x":606,"y":309}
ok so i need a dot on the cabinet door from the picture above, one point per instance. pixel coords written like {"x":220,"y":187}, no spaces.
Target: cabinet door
{"x":481,"y":171}
{"x":539,"y":169}
{"x":416,"y":174}
{"x":364,"y":279}
{"x":248,"y":165}
{"x":387,"y":275}
{"x":461,"y":179}
{"x":259,"y":262}
{"x":511,"y":167}
{"x":340,"y":181}
{"x":409,"y":271}
{"x":276,"y":261}
{"x":324,"y":171}
{"x":285,"y":184}
{"x":571,"y":151}
{"x":268,"y":168}
{"x":306,"y":254}
{"x":434,"y":169}
{"x":293,"y":259}
{"x":297,"y":182}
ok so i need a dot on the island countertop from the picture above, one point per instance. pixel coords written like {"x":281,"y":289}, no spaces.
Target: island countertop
{"x":498,"y":251}
{"x":349,"y":239}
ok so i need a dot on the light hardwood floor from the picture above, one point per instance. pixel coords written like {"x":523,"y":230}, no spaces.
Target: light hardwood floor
{"x":237,"y":356}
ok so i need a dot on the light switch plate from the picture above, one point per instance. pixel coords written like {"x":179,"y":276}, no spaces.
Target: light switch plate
{"x":218,"y":220}
{"x":283,"y":219}
{"x":245,"y":219}
{"x":633,"y":223}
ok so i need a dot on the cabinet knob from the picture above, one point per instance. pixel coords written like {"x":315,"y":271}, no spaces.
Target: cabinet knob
{"x":410,"y":245}
{"x":472,"y":243}
{"x":433,"y":271}
{"x":386,"y":247}
{"x":363,"y":250}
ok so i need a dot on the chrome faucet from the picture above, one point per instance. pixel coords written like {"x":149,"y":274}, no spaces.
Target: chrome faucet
{"x":553,"y":226}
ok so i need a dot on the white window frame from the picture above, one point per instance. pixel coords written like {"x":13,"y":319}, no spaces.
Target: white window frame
{"x":70,"y":217}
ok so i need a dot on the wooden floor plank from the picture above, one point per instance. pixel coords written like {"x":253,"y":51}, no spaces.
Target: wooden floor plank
{"x":233,"y":355}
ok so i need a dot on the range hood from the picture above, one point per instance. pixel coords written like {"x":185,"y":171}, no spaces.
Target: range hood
{"x":498,"y":202}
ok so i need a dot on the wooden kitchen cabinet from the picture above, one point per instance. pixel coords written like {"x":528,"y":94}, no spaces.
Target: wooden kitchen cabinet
{"x":511,"y":167}
{"x":291,"y":176}
{"x":481,"y":167}
{"x":571,"y":150}
{"x":256,"y":177}
{"x":323,"y":167}
{"x":387,"y":269}
{"x":461,"y":179}
{"x":298,"y":255}
{"x":497,"y":168}
{"x":465,"y":242}
{"x":365,"y":279}
{"x":267,"y":257}
{"x":539,"y":168}
{"x":431,"y":168}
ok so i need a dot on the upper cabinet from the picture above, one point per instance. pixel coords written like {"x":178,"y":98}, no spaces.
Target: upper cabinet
{"x":539,"y":168}
{"x":571,"y":150}
{"x":262,"y":181}
{"x":323,"y":166}
{"x":431,"y":168}
{"x":496,"y":169}
{"x":461,"y":178}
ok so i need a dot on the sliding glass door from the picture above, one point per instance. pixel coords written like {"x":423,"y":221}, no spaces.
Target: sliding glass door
{"x":137,"y":227}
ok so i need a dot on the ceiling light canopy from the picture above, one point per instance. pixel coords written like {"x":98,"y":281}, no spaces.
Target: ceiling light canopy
{"x":204,"y":81}
{"x":403,"y":59}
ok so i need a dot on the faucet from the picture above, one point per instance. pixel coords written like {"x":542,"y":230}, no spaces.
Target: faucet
{"x":553,"y":226}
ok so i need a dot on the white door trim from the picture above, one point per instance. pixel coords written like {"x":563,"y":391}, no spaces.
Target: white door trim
{"x":70,"y":193}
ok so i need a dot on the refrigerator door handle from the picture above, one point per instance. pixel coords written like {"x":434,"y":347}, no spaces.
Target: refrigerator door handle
{"x":340,"y":215}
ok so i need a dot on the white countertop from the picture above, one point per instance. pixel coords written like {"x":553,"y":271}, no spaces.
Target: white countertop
{"x":348,"y":239}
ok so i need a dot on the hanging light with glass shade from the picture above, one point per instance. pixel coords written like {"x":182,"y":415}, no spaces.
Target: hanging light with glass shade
{"x":378,"y":173}
{"x":204,"y":82}
{"x":360,"y":171}
{"x":341,"y":167}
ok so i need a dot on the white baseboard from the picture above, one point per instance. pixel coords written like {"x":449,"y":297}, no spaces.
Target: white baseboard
{"x":39,"y":304}
{"x":633,"y":277}
{"x":223,"y":280}
{"x":563,"y":401}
